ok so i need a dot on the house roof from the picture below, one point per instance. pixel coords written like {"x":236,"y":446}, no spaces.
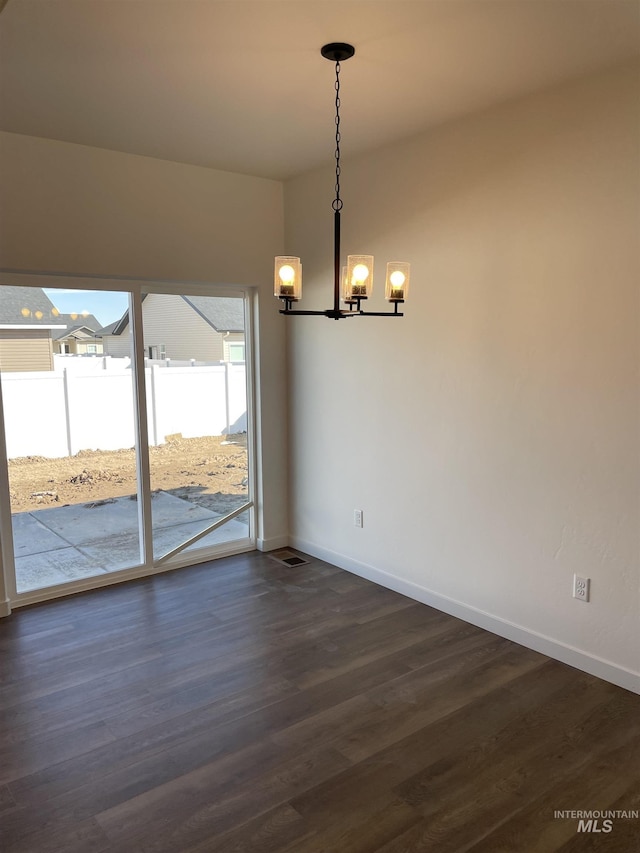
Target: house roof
{"x":27,"y":306}
{"x":84,"y":324}
{"x":225,"y":314}
{"x":109,"y":329}
{"x":222,"y":313}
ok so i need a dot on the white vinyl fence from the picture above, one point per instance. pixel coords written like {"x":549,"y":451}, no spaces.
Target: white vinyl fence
{"x":60,"y":412}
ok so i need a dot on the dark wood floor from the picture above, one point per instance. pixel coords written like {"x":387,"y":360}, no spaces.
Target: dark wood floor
{"x":244,"y":706}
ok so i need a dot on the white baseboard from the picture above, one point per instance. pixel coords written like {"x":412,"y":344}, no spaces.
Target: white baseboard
{"x":5,"y":608}
{"x":583,"y":661}
{"x":273,"y":543}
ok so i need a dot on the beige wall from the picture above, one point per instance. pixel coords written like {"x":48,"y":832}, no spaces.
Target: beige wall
{"x":20,"y":351}
{"x":74,"y":209}
{"x":492,"y":435}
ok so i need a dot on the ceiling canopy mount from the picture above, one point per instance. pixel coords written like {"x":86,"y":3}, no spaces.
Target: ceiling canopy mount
{"x":337,"y":51}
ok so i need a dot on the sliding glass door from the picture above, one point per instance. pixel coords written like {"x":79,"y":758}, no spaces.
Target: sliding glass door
{"x":71,"y":459}
{"x":126,"y":419}
{"x":197,"y":411}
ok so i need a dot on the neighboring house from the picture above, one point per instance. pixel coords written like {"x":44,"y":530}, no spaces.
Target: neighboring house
{"x":28,"y":322}
{"x":203,"y":328}
{"x":80,"y":336}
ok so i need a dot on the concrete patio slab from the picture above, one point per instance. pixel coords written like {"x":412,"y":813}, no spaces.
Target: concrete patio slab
{"x":167,"y":510}
{"x":233,"y":529}
{"x":83,"y":523}
{"x":30,"y":536}
{"x":36,"y":571}
{"x":60,"y":544}
{"x":120,"y":552}
{"x":114,"y":553}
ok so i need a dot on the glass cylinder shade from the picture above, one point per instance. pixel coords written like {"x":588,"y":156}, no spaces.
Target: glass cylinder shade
{"x":359,"y":281}
{"x":287,"y":280}
{"x":397,"y":283}
{"x":345,"y":288}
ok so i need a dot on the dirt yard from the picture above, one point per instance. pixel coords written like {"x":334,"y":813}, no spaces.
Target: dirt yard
{"x":211,"y":472}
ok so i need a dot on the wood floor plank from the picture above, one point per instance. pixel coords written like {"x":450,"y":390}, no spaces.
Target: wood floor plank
{"x":355,"y":830}
{"x":624,"y":832}
{"x":70,"y":837}
{"x":399,"y":719}
{"x":7,"y":802}
{"x":466,"y":795}
{"x":243,"y":706}
{"x":54,"y":811}
{"x":366,"y":785}
{"x":201,"y":804}
{"x":540,"y":732}
{"x":26,"y":755}
{"x":270,"y":832}
{"x":600,"y":783}
{"x":169,"y":749}
{"x":396,"y":767}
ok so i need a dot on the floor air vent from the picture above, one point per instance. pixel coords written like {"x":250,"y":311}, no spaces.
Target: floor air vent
{"x":288,"y":558}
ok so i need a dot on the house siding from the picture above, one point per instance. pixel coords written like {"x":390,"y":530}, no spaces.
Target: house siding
{"x":117,"y":346}
{"x":78,"y":347}
{"x":168,"y":320}
{"x":81,"y":347}
{"x":23,"y":351}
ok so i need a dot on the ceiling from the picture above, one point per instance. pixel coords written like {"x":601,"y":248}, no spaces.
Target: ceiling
{"x":241,"y":85}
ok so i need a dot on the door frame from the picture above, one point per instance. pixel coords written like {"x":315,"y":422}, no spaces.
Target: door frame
{"x":9,"y":597}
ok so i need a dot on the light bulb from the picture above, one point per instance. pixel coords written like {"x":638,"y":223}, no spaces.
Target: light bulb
{"x":360,"y":273}
{"x":287,"y":274}
{"x":397,"y":278}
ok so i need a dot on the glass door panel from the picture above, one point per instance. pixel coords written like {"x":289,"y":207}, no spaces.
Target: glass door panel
{"x":70,"y":431}
{"x":196,"y":386}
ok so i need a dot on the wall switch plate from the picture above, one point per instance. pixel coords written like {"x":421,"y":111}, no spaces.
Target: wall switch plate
{"x":358,"y":517}
{"x":581,"y":588}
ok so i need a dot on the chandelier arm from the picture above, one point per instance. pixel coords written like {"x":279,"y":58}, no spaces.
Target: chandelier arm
{"x":328,"y":313}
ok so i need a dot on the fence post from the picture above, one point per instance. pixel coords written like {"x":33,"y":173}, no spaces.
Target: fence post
{"x":67,"y":409}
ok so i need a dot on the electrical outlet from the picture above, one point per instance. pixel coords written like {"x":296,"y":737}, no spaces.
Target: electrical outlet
{"x":581,"y":588}
{"x":357,"y":517}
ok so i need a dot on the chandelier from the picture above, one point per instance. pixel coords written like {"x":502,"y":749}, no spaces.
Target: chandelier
{"x":354,"y":281}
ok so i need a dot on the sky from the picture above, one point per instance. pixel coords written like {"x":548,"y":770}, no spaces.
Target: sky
{"x":105,"y":305}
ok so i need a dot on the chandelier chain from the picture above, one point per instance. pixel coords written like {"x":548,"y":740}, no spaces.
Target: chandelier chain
{"x":337,"y":202}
